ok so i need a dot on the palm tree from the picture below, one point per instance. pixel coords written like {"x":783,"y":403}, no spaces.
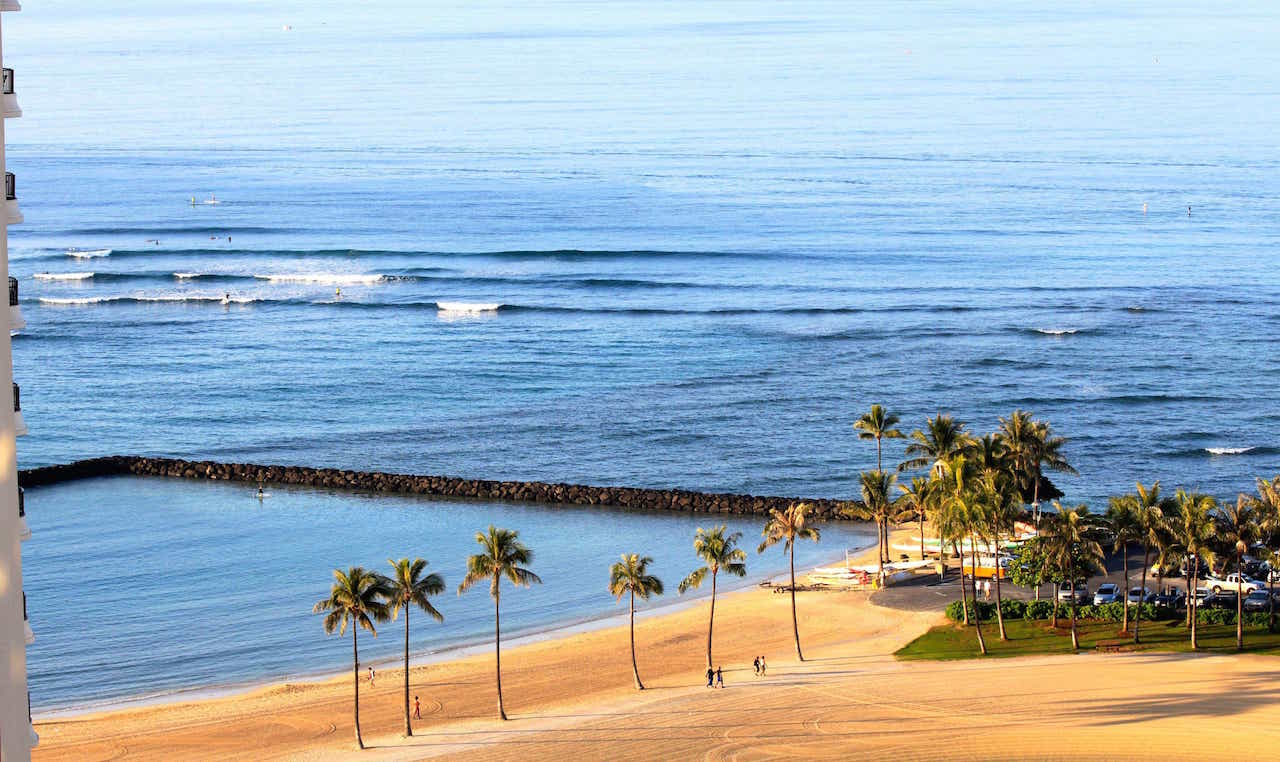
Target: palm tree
{"x":943,"y":438}
{"x":1149,"y":511}
{"x":631,"y":576}
{"x":1124,"y":522}
{"x":787,"y":527}
{"x":502,"y":555}
{"x":1238,"y":528}
{"x":1034,"y":447}
{"x":1268,"y":502}
{"x":720,"y":551}
{"x":1072,"y":543}
{"x":964,"y":516}
{"x":916,"y":503}
{"x":407,"y":587}
{"x":1000,"y":510}
{"x":356,"y":598}
{"x":1194,"y":535}
{"x":877,"y":425}
{"x":877,"y":504}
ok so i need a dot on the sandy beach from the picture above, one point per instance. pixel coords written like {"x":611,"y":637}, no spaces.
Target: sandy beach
{"x":850,"y":698}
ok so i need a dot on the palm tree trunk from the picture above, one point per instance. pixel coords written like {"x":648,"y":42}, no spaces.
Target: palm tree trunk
{"x":1239,"y":603}
{"x":922,"y":536}
{"x":711,"y":620}
{"x":408,"y":726}
{"x":880,"y":533}
{"x":1271,"y":599}
{"x":964,"y":601}
{"x":999,"y":612}
{"x":977,"y":617}
{"x":635,"y":671}
{"x":1137,"y":611}
{"x":355,"y":681}
{"x":1191,"y":581}
{"x":1191,"y":601}
{"x":497,"y":646}
{"x":1075,"y":639}
{"x":795,"y":623}
{"x":1124,"y":599}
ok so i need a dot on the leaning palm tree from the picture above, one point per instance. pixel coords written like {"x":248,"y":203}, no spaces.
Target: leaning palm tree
{"x":877,"y":505}
{"x":407,"y":587}
{"x":1238,"y":529}
{"x":502,"y":555}
{"x":631,"y":576}
{"x":1149,"y":511}
{"x":1072,"y":543}
{"x":356,"y":598}
{"x":1124,"y":522}
{"x":787,"y":527}
{"x":720,"y":552}
{"x":916,"y":503}
{"x":1194,"y":532}
{"x":877,"y":425}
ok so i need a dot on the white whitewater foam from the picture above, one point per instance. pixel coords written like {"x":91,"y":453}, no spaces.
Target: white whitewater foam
{"x":88,"y":253}
{"x":70,"y":300}
{"x":1227,"y":450}
{"x":468,"y":307}
{"x":331,"y":279}
{"x":168,"y":298}
{"x":1057,"y":331}
{"x":63,"y":276}
{"x":185,"y":276}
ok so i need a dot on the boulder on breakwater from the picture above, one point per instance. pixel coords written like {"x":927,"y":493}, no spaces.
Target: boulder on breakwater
{"x":686,"y":501}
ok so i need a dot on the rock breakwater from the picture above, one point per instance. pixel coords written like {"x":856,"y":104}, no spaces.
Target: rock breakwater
{"x":686,"y":501}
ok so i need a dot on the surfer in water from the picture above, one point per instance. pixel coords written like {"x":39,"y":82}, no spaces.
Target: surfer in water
{"x":338,"y":292}
{"x":226,"y":299}
{"x":260,"y":494}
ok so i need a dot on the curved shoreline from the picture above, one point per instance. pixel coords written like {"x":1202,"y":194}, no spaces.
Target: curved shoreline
{"x":678,"y":500}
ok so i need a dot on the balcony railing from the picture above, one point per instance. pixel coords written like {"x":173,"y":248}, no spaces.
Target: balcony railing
{"x":22,"y":503}
{"x":17,"y":399}
{"x":8,"y":81}
{"x":13,"y":291}
{"x":10,"y":187}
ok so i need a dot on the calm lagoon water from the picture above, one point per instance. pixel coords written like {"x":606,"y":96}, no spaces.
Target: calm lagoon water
{"x":713,"y":233}
{"x":147,"y":587}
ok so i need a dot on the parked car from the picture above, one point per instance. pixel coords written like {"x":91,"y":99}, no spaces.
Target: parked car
{"x":1081,"y":592}
{"x":1174,"y":599}
{"x":1107,"y":592}
{"x":1231,"y":583}
{"x":1260,"y":600}
{"x":1141,"y":595}
{"x":1224,"y":600}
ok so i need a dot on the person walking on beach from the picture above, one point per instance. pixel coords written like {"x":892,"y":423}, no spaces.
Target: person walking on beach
{"x":756,"y":664}
{"x":371,"y":674}
{"x":719,"y":678}
{"x":763,"y":666}
{"x":711,"y":676}
{"x":417,"y":709}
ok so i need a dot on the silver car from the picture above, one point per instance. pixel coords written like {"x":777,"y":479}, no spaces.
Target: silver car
{"x":1106,"y":593}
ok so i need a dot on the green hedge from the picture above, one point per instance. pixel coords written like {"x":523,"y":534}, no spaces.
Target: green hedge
{"x":1109,"y":612}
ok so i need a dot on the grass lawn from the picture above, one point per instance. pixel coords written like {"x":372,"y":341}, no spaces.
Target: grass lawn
{"x":955,"y":641}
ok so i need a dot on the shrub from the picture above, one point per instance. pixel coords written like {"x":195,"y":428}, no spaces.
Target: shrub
{"x":1038,"y":610}
{"x":986,"y":611}
{"x":1012,"y":608}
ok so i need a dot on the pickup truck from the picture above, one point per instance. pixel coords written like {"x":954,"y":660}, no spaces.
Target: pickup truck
{"x":1233,"y":583}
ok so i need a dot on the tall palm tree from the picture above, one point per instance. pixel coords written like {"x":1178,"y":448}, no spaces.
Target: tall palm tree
{"x":942,"y":438}
{"x":356,"y":598}
{"x":1001,"y":507}
{"x":1268,"y":502}
{"x":502,"y":555}
{"x":720,"y":552}
{"x":407,"y":587}
{"x":631,"y":576}
{"x":916,"y":503}
{"x":787,"y":527}
{"x":964,"y":516}
{"x":877,"y":425}
{"x":1034,"y":447}
{"x":1194,"y":535}
{"x":877,"y":504}
{"x":1072,"y":542}
{"x":1124,"y":522}
{"x":1149,"y":511}
{"x":1238,"y":529}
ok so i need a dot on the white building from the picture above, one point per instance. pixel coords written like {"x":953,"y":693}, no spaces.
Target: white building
{"x":17,"y":737}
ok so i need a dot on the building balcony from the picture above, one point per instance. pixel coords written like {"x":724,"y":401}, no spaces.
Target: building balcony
{"x":11,"y":199}
{"x":16,"y":321}
{"x":11,"y":107}
{"x":26,"y":625}
{"x":19,"y":426}
{"x":24,"y":531}
{"x":10,"y":5}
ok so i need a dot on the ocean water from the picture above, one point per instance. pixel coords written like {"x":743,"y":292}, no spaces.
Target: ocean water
{"x":644,"y":244}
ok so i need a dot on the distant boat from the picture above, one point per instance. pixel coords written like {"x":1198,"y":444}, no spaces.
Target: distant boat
{"x":206,"y":202}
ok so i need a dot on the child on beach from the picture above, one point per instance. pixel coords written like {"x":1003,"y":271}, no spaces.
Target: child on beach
{"x":719,"y":678}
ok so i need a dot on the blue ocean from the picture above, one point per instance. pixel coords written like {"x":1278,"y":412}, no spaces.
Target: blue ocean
{"x":665,"y":245}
